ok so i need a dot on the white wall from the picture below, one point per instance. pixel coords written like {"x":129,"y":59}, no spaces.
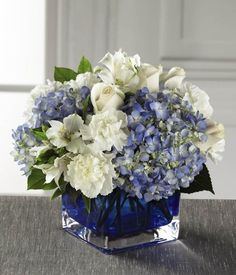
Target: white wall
{"x":11,"y":109}
{"x":198,"y":35}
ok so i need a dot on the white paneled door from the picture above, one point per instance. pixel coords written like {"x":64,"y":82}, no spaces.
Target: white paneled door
{"x":198,"y":35}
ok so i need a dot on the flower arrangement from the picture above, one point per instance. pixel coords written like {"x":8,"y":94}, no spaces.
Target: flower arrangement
{"x":122,"y":125}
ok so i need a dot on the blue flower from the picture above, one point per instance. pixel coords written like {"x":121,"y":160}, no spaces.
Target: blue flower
{"x":160,"y":156}
{"x":24,"y":141}
{"x":59,"y":104}
{"x":53,"y":106}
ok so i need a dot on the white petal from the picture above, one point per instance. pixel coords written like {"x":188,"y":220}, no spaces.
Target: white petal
{"x":174,"y":78}
{"x":107,"y":61}
{"x":54,"y":134}
{"x":95,"y":92}
{"x":115,"y":102}
{"x":51,"y":174}
{"x":174,"y":82}
{"x":107,"y":186}
{"x":73,"y":123}
{"x":106,"y":77}
{"x":76,"y":145}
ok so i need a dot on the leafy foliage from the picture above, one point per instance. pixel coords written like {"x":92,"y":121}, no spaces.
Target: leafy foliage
{"x":87,"y":202}
{"x":202,"y":182}
{"x":36,"y":179}
{"x":61,"y":189}
{"x":57,"y":193}
{"x":84,"y":66}
{"x":64,"y":74}
{"x":46,"y":157}
{"x":85,"y":106}
{"x":50,"y":186}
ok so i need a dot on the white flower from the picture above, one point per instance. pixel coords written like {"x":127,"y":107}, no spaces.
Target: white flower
{"x":198,"y":99}
{"x":107,"y":129}
{"x":55,"y":170}
{"x":86,"y":79}
{"x":40,"y":90}
{"x":173,"y":79}
{"x":37,"y":150}
{"x":104,"y":97}
{"x":67,"y":134}
{"x":215,"y":143}
{"x":120,"y":69}
{"x":92,"y":174}
{"x":149,"y":77}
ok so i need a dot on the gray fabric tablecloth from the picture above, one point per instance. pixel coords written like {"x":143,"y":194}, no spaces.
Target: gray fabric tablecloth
{"x":32,"y":242}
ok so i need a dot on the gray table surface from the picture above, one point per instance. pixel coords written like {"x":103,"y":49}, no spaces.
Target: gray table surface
{"x":32,"y":242}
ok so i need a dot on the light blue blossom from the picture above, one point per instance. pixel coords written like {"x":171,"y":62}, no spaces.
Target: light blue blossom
{"x":59,"y":104}
{"x":54,"y":106}
{"x":160,"y":155}
{"x":24,"y":141}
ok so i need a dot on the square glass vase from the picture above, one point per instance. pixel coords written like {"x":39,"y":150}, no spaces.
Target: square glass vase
{"x":118,"y":222}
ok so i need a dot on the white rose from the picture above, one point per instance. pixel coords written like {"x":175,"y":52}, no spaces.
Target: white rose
{"x":104,"y":97}
{"x":92,"y":174}
{"x":173,"y":79}
{"x":215,"y":143}
{"x":107,"y":129}
{"x":149,"y":77}
{"x":119,"y":69}
{"x":197,"y":98}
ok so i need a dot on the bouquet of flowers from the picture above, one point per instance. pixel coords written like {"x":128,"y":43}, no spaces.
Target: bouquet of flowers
{"x":123,"y":125}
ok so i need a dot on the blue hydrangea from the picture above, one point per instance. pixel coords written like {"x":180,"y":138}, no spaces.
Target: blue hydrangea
{"x":160,"y":155}
{"x":54,"y":106}
{"x":57,"y":105}
{"x":24,"y":141}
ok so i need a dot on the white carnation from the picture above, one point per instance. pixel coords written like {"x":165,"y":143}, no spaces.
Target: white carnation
{"x":197,"y":98}
{"x":107,"y":129}
{"x":92,"y":174}
{"x":86,"y":79}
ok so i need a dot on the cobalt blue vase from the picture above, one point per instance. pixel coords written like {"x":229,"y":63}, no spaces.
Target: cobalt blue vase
{"x":118,"y":222}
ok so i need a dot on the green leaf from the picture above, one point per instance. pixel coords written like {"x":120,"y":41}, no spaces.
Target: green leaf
{"x":44,"y":128}
{"x":85,"y":106}
{"x":87,"y":202}
{"x":84,"y":66}
{"x":50,"y":186}
{"x":36,"y":179}
{"x":46,"y":157}
{"x":62,"y":184}
{"x":56,"y":194}
{"x":202,"y":182}
{"x":39,"y":134}
{"x":61,"y":151}
{"x":64,"y":74}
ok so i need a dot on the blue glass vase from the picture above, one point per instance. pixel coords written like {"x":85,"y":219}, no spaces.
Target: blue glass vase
{"x":118,"y":222}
